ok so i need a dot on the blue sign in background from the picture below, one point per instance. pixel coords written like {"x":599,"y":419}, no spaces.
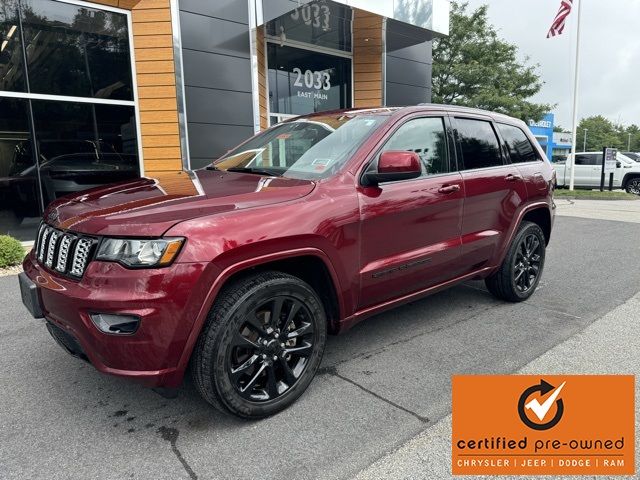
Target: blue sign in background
{"x":543,"y":131}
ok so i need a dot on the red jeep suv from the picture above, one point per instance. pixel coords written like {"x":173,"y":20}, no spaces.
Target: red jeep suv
{"x":240,"y":270}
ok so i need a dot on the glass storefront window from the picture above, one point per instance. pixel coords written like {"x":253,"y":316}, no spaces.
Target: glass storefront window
{"x":11,"y":65}
{"x":19,"y":196}
{"x":71,"y":51}
{"x":322,"y":23}
{"x":83,"y":145}
{"x":77,"y":51}
{"x":301,"y":81}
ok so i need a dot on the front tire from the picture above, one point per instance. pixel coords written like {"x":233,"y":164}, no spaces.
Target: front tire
{"x":633,"y":186}
{"x":261,"y":346}
{"x":519,"y":274}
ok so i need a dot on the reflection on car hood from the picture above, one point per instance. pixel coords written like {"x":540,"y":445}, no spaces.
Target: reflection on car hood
{"x":150,"y":206}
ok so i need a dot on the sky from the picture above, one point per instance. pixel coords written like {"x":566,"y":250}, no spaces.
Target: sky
{"x":609,"y":54}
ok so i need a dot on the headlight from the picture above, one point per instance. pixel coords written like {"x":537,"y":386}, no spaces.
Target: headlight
{"x":139,"y":252}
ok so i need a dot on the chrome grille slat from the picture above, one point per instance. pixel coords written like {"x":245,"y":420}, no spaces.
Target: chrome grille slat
{"x":80,"y":256}
{"x":43,"y":243}
{"x":39,"y":236}
{"x":51,"y":247}
{"x":64,"y":252}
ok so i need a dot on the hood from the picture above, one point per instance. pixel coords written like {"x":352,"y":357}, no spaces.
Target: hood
{"x":150,"y":206}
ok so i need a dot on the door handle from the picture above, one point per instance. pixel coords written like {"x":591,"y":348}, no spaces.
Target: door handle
{"x":513,"y":178}
{"x":449,"y":188}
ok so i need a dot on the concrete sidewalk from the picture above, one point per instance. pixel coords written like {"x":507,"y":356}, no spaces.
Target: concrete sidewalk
{"x":610,"y":345}
{"x":619,"y":210}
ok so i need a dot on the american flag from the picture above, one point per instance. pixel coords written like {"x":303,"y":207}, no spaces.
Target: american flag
{"x":557,"y":27}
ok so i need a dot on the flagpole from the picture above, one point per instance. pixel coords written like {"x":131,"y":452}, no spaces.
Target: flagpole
{"x":575,"y":101}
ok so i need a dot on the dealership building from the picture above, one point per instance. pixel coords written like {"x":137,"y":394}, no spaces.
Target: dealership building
{"x":98,"y":92}
{"x":557,"y":145}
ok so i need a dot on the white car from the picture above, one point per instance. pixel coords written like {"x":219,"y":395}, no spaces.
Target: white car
{"x":588,"y":171}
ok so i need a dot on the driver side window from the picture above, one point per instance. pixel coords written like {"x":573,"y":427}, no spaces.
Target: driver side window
{"x":426,"y":137}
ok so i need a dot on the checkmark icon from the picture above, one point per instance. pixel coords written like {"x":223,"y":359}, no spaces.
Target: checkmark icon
{"x":542,"y":410}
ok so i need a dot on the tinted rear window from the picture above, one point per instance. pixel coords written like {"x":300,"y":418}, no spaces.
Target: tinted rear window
{"x":589,"y":159}
{"x":518,"y":144}
{"x":478,"y":144}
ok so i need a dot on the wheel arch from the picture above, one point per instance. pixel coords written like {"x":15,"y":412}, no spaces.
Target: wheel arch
{"x":540,"y":216}
{"x":310,"y":264}
{"x":628,"y":177}
{"x":539,"y":213}
{"x":309,"y":268}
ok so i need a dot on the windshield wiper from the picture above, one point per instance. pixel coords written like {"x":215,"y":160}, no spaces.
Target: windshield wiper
{"x":257,"y":171}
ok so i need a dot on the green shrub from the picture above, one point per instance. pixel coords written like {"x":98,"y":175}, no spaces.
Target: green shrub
{"x":11,"y":251}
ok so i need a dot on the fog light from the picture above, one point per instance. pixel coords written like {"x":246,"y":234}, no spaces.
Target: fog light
{"x":115,"y":324}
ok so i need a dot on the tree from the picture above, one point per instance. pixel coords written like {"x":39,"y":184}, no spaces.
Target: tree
{"x":475,"y":68}
{"x":559,"y":129}
{"x":602,"y":132}
{"x":634,"y":142}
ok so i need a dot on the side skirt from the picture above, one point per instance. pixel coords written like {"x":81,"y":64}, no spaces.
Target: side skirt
{"x":360,"y":315}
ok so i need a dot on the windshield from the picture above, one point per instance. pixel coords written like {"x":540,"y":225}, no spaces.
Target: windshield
{"x":310,"y":149}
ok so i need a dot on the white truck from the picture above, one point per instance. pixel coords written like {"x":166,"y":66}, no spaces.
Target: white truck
{"x":588,"y":171}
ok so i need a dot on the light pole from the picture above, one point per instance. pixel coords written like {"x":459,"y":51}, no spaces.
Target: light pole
{"x":584,"y":143}
{"x":574,"y":124}
{"x":629,"y":144}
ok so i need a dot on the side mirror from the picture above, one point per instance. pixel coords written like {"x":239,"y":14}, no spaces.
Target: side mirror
{"x":618,"y":164}
{"x":394,"y":165}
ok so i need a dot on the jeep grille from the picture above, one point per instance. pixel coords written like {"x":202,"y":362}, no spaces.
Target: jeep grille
{"x":64,"y":252}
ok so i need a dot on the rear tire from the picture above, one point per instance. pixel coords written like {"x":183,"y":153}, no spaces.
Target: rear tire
{"x":633,"y":186}
{"x":261,"y":345}
{"x":520,"y":272}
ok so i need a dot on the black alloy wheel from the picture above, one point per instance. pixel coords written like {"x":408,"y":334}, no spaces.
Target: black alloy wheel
{"x":520,"y":271}
{"x":527,"y":261}
{"x":271,"y":349}
{"x":261,"y":346}
{"x":633,"y":186}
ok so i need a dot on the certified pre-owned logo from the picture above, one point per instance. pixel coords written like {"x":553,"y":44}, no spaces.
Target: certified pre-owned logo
{"x":564,"y":425}
{"x":541,"y":410}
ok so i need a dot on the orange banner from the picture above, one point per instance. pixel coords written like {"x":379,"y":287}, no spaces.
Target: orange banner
{"x":543,"y":425}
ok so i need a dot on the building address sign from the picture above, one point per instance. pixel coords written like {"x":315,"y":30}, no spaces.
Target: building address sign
{"x":312,"y":79}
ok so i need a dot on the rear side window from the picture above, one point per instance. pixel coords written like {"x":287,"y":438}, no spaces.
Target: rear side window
{"x":589,"y":159}
{"x":478,"y":144}
{"x":518,"y":144}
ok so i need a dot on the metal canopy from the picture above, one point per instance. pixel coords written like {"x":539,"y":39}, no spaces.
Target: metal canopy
{"x":432,"y":15}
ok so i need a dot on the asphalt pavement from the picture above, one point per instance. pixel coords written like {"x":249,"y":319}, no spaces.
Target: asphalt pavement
{"x":381,"y":384}
{"x":604,"y":347}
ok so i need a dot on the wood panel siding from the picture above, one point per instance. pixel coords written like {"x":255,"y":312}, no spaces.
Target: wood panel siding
{"x":155,"y":76}
{"x":153,"y":41}
{"x":156,"y":79}
{"x":367,"y":59}
{"x":262,"y":77}
{"x":163,"y":129}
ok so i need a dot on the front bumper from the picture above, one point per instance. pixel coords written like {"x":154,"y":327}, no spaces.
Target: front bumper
{"x":167,"y":300}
